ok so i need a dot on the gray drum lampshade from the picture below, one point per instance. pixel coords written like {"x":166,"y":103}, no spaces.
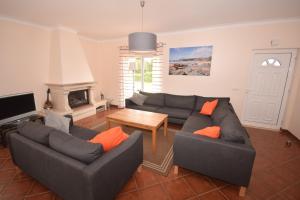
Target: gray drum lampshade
{"x":142,"y":42}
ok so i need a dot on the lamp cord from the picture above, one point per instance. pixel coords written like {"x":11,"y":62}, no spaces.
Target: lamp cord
{"x":142,"y":3}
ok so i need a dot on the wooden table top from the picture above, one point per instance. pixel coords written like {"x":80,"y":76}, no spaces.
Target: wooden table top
{"x":144,"y":118}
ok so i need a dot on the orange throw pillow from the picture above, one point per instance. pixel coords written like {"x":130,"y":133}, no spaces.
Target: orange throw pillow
{"x":110,"y":138}
{"x":211,"y":131}
{"x":209,"y":107}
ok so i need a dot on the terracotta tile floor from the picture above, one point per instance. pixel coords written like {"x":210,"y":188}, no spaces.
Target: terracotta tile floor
{"x":276,"y":175}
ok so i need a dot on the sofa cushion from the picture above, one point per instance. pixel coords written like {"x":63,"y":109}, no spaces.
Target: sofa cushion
{"x":138,"y":99}
{"x":110,"y":138}
{"x":176,"y":121}
{"x":82,"y":133}
{"x":209,"y":107}
{"x":210,"y":131}
{"x":176,"y":112}
{"x":155,"y":99}
{"x":35,"y":131}
{"x":201,"y":100}
{"x":231,"y":129}
{"x":144,"y":107}
{"x":222,"y":109}
{"x":74,"y":147}
{"x":179,"y":101}
{"x":194,"y":123}
{"x":57,"y":121}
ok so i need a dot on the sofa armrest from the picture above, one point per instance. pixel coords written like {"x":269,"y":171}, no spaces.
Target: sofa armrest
{"x":108,"y":174}
{"x":228,"y":161}
{"x":58,"y":172}
{"x":71,"y":119}
{"x":129,"y":103}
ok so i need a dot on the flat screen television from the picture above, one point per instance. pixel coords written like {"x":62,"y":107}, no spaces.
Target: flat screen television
{"x":17,"y":106}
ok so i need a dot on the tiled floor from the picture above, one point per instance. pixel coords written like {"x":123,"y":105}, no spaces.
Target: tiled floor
{"x":276,"y":175}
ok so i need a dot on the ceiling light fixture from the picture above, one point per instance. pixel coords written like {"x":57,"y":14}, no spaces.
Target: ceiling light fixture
{"x":142,"y":41}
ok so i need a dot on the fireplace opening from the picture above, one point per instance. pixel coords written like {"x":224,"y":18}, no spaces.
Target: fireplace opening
{"x":78,"y":98}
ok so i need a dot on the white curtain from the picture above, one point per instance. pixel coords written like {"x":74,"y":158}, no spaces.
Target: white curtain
{"x":126,"y":76}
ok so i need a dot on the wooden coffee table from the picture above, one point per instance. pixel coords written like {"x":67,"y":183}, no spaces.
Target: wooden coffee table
{"x":140,"y":119}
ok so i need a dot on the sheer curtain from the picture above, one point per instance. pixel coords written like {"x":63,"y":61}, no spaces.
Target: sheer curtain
{"x":126,"y":72}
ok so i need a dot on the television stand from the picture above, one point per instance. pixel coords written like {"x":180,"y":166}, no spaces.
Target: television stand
{"x":12,"y":126}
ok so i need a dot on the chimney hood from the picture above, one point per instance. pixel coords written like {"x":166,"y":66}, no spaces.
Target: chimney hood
{"x":68,"y":64}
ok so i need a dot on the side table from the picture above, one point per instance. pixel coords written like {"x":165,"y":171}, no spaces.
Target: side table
{"x":101,"y":103}
{"x":108,"y":103}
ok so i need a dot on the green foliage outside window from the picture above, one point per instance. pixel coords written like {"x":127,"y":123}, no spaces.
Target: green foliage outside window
{"x":147,"y":71}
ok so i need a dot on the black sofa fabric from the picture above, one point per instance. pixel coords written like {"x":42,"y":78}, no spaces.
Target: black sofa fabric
{"x":179,"y":108}
{"x":74,"y":147}
{"x":186,"y":110}
{"x":177,"y":101}
{"x":35,"y":131}
{"x":229,"y":158}
{"x":73,"y":175}
{"x":154,"y":99}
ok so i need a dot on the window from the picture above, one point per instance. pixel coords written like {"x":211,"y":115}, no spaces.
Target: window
{"x":271,"y":61}
{"x":143,"y":74}
{"x":139,"y":72}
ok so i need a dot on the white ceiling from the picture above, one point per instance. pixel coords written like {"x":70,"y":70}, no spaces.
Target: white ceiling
{"x":109,"y":19}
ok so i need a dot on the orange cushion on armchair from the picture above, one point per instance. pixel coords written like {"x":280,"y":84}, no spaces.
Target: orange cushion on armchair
{"x":209,"y":107}
{"x":211,"y":131}
{"x":110,"y":138}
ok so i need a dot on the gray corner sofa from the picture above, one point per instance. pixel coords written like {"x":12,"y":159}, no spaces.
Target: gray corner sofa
{"x":70,"y":178}
{"x":229,"y":158}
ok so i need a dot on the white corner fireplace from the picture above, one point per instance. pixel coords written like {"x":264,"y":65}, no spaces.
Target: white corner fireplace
{"x":76,"y":99}
{"x":71,"y":83}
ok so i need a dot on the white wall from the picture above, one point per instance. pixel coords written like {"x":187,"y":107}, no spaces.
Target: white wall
{"x":231,"y":59}
{"x":68,"y":63}
{"x":292,"y":115}
{"x":94,"y":58}
{"x":294,"y":125}
{"x":25,"y":59}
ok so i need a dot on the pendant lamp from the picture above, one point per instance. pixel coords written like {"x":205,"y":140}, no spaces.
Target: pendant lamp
{"x":142,"y":41}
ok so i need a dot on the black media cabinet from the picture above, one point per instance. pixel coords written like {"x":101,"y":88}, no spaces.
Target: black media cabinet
{"x":12,"y":126}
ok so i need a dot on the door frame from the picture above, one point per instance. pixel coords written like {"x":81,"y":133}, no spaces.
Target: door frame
{"x":287,"y":88}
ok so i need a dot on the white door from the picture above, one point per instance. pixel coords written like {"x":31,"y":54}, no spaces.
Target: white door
{"x":267,"y":85}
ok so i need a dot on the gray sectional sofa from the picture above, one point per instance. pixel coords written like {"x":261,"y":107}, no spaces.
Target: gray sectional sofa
{"x":178,"y":108}
{"x":229,"y":158}
{"x":83,"y":171}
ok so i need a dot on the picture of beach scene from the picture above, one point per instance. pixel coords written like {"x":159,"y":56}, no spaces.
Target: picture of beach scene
{"x":191,"y":61}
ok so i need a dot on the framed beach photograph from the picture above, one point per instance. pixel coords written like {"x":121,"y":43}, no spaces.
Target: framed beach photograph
{"x":190,"y":61}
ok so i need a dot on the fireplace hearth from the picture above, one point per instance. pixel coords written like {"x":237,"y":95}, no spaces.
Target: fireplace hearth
{"x":78,"y":98}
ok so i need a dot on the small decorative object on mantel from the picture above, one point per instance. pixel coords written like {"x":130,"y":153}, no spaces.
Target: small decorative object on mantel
{"x":102,"y":96}
{"x":48,"y":104}
{"x":190,"y":61}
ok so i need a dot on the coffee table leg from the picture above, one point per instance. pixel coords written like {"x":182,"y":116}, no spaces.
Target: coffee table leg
{"x":165,"y":126}
{"x":154,"y":140}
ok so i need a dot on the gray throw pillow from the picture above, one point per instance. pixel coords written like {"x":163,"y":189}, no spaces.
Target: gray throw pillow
{"x":57,"y":121}
{"x":74,"y":147}
{"x":35,"y":131}
{"x":138,"y":99}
